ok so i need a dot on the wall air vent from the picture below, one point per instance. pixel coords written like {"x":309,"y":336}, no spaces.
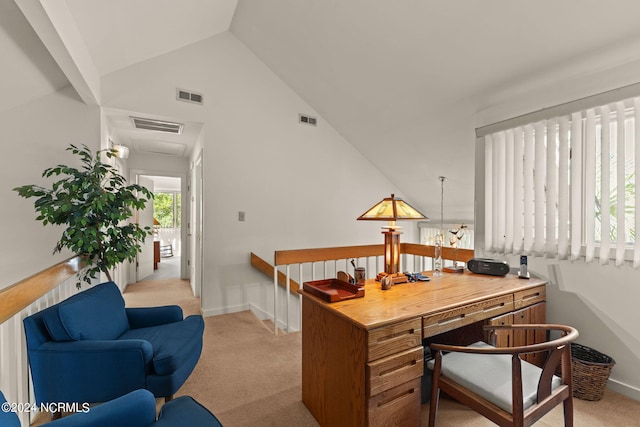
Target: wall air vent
{"x":157,"y":125}
{"x":307,"y":120}
{"x":188,"y":96}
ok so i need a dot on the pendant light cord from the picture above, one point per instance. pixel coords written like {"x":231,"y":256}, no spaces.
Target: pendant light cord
{"x":441,"y":178}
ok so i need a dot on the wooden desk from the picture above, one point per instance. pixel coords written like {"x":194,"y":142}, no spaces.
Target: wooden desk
{"x":362,"y":359}
{"x":156,"y":254}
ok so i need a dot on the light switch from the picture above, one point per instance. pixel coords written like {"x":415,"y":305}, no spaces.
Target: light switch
{"x":241,"y":216}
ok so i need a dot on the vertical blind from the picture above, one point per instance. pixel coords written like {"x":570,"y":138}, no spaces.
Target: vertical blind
{"x":565,"y":186}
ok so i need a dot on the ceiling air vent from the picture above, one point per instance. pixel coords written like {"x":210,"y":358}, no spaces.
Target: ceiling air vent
{"x":157,"y":125}
{"x":307,"y":120}
{"x":188,"y":96}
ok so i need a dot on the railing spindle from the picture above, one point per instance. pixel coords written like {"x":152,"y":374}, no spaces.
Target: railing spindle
{"x":288,"y":293}
{"x":300,"y":282}
{"x":275,"y":300}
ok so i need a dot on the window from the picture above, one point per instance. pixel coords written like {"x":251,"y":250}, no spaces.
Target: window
{"x":621,"y":148}
{"x":166,"y":209}
{"x":460,"y":233}
{"x":565,"y":186}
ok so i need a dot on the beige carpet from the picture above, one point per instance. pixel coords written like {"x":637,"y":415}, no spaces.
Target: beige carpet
{"x":248,"y":377}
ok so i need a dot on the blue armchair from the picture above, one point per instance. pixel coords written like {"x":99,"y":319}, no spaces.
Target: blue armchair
{"x":135,"y":409}
{"x":90,"y":348}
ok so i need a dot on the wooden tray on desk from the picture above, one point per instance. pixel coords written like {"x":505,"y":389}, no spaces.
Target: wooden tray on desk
{"x":332,"y":290}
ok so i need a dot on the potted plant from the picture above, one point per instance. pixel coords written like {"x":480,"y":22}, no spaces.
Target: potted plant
{"x":94,"y":203}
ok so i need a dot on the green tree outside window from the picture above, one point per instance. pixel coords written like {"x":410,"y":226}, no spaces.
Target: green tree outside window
{"x":166,"y":209}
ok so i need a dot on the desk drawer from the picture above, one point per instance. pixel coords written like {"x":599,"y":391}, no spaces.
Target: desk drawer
{"x":466,"y":315}
{"x":399,"y":406}
{"x":529,"y":297}
{"x":395,"y":338}
{"x":392,"y":371}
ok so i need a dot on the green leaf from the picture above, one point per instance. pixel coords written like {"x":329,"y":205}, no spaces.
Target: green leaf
{"x":92,"y":202}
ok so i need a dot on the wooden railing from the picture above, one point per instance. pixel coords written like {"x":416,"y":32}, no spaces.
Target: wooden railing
{"x":18,"y":301}
{"x":20,"y":295}
{"x":451,"y":254}
{"x":263,"y":266}
{"x":300,"y":256}
{"x":335,"y":259}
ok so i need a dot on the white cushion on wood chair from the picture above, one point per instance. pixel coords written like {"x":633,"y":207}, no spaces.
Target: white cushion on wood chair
{"x":489,"y":375}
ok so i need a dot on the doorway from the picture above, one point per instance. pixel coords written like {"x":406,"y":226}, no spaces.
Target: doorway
{"x":160,"y":153}
{"x":166,"y":222}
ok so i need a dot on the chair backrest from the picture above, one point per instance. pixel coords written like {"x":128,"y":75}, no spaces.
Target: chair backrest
{"x":529,"y":395}
{"x":95,"y":314}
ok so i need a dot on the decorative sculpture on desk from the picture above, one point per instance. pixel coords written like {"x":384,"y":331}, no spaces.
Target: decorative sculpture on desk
{"x":455,"y":235}
{"x":437,"y":255}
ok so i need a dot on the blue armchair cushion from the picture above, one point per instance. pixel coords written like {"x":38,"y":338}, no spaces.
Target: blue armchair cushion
{"x":185,"y":411}
{"x":95,"y":314}
{"x":142,"y":317}
{"x":135,"y":409}
{"x":173,"y":343}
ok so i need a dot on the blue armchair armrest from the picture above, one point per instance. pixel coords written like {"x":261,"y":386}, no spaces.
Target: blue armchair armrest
{"x":74,"y":368}
{"x":142,"y":317}
{"x":136,"y":409}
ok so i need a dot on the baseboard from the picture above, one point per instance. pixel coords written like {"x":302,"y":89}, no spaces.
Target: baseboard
{"x":259,"y":312}
{"x":625,"y":389}
{"x":225,"y":310}
{"x":264,"y":315}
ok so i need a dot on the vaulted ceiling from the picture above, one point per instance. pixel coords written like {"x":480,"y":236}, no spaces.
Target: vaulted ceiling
{"x":392,"y":77}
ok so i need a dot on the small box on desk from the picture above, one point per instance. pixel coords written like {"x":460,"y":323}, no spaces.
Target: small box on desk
{"x":332,"y":290}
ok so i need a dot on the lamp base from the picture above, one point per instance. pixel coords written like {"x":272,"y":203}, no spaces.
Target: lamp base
{"x":395,"y":277}
{"x":456,"y":269}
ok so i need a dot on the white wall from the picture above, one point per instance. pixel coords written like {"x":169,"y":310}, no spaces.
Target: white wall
{"x":34,"y":137}
{"x":300,"y":186}
{"x":600,"y":301}
{"x":193,"y":231}
{"x":158,"y":164}
{"x":120,"y":273}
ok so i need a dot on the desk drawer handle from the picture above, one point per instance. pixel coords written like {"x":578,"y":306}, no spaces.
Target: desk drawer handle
{"x":398,"y":368}
{"x":463,"y":315}
{"x":531,"y":296}
{"x":397,"y":397}
{"x":451,"y":319}
{"x":396,"y":335}
{"x":494,"y":307}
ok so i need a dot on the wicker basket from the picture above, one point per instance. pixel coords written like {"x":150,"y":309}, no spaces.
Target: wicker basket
{"x":590,"y":372}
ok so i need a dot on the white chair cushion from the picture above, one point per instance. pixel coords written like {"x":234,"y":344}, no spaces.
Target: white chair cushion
{"x":489,"y":375}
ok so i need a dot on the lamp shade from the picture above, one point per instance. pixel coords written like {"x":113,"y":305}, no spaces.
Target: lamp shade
{"x":121,"y":151}
{"x":391,"y":209}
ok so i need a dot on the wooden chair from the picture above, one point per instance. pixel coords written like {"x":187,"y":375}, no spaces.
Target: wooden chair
{"x":498,"y":384}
